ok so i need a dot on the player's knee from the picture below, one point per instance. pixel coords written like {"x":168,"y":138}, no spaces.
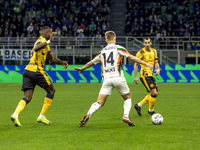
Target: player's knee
{"x":52,"y":92}
{"x":28,"y":97}
{"x":127,"y":96}
{"x":154,"y":94}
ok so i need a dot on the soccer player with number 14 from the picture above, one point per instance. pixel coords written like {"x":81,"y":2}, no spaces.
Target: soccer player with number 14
{"x":111,"y":59}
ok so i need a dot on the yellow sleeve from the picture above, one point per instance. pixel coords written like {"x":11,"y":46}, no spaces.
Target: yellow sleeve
{"x":41,"y":40}
{"x":156,"y":56}
{"x":139,"y":55}
{"x":48,"y":48}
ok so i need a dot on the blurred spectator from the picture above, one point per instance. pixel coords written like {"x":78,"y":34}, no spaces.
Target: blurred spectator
{"x":98,"y":36}
{"x":187,"y":33}
{"x":80,"y":32}
{"x":196,"y":7}
{"x":64,"y":28}
{"x":70,"y":30}
{"x":29,"y":34}
{"x":87,"y":31}
{"x":65,"y":22}
{"x":104,"y":26}
{"x":31,"y":14}
{"x":169,"y":9}
{"x":174,"y":16}
{"x":128,"y":27}
{"x":92,"y":33}
{"x":16,"y":9}
{"x":30,"y":28}
{"x":92,"y":26}
{"x":58,"y":32}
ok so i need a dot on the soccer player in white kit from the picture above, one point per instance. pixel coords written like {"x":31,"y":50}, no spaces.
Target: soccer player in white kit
{"x":110,"y":58}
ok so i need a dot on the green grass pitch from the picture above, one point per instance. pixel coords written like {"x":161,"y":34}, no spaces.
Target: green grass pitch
{"x":178,"y":103}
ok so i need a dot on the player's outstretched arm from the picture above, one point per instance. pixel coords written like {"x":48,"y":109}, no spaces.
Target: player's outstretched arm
{"x":135,"y":59}
{"x":55,"y":60}
{"x":88,"y":65}
{"x":157,"y":68}
{"x":136,"y":73}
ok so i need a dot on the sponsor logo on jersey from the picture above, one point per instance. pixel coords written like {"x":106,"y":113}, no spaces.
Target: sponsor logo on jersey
{"x":110,"y":70}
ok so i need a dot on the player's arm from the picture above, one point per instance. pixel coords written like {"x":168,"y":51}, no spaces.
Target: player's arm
{"x":55,"y":60}
{"x":88,"y":65}
{"x":41,"y":45}
{"x":157,"y":68}
{"x":136,"y":73}
{"x":96,"y":60}
{"x":125,"y":53}
{"x":137,"y":60}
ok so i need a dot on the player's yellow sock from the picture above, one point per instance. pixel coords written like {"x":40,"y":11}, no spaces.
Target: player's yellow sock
{"x":145,"y":100}
{"x":47,"y":103}
{"x":152,"y":100}
{"x":21,"y":105}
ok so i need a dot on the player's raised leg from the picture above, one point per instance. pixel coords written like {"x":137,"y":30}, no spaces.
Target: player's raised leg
{"x":94,"y":107}
{"x":47,"y":103}
{"x":21,"y":105}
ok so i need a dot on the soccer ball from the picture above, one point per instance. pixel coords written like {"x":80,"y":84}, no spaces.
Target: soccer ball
{"x":157,"y":119}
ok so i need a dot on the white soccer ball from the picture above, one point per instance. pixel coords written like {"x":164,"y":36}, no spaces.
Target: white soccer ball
{"x":157,"y":119}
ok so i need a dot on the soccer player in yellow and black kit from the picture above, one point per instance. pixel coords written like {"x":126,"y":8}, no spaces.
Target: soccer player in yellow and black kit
{"x":148,"y":55}
{"x":34,"y":74}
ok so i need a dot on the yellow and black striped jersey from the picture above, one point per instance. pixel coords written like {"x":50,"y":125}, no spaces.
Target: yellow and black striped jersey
{"x":38,"y":58}
{"x":148,"y":56}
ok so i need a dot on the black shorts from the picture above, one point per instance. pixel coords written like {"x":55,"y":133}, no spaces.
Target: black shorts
{"x":30,"y":79}
{"x":149,"y":83}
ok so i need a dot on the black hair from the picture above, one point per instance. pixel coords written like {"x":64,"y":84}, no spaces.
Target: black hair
{"x":147,"y":38}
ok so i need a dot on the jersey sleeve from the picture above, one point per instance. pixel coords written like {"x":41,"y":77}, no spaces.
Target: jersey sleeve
{"x":122,"y":51}
{"x":48,"y":48}
{"x":41,"y":40}
{"x":156,"y":56}
{"x":139,"y":55}
{"x":97,"y":59}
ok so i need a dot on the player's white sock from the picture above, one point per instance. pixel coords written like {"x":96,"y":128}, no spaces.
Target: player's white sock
{"x":94,"y":107}
{"x":127,"y":107}
{"x":41,"y":116}
{"x":139,"y":105}
{"x":151,"y":110}
{"x":15,"y":114}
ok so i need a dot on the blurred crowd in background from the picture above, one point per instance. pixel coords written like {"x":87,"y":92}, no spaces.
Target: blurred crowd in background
{"x":71,"y":18}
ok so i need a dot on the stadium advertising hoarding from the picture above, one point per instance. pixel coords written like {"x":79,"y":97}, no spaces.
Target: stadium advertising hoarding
{"x":191,"y":45}
{"x":57,"y":74}
{"x":15,"y":54}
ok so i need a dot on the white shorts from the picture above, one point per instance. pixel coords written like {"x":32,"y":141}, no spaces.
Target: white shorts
{"x":116,"y":82}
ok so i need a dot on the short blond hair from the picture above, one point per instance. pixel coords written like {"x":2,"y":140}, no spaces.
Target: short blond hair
{"x":109,"y":35}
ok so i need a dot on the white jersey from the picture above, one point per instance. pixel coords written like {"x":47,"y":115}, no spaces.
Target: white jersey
{"x":110,"y":58}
